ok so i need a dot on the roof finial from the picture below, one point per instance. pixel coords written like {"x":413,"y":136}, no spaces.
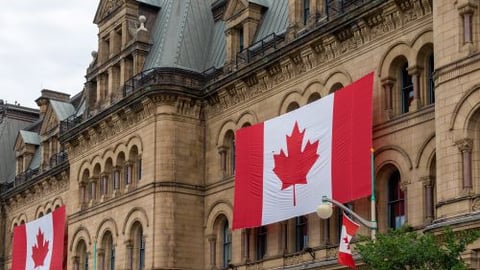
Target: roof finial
{"x":142,"y":19}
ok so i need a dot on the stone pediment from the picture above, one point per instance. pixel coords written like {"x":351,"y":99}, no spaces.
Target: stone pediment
{"x":107,"y":7}
{"x":49,"y":122}
{"x":234,"y":7}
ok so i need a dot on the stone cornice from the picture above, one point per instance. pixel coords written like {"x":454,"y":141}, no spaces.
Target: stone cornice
{"x":49,"y":182}
{"x":457,"y":69}
{"x":168,"y":86}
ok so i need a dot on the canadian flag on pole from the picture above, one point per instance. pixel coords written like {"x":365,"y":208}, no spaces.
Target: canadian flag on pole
{"x":349,"y":228}
{"x":39,"y":244}
{"x":285,"y":165}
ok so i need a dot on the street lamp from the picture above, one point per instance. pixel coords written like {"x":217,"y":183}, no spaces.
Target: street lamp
{"x":325,"y":210}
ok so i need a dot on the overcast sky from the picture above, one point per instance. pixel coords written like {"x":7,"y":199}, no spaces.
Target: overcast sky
{"x":45,"y":44}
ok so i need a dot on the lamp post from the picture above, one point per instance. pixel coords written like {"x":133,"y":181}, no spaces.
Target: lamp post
{"x":325,"y":211}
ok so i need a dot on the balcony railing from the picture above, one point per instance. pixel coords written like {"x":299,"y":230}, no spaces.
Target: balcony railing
{"x":69,"y":123}
{"x":29,"y":174}
{"x":25,"y":176}
{"x":259,"y":48}
{"x":58,"y":158}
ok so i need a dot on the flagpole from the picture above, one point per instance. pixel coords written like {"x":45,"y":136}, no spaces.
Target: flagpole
{"x":95,"y":255}
{"x":372,"y":197}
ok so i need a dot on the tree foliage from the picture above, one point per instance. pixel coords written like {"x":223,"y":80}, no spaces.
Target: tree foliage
{"x":408,"y":249}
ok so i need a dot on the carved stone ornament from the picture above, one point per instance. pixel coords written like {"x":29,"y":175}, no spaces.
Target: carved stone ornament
{"x":476,"y":204}
{"x":110,"y":6}
{"x":464,"y":145}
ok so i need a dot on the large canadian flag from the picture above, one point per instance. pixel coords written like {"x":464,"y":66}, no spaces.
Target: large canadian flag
{"x":349,"y":228}
{"x":39,"y":244}
{"x":285,"y":165}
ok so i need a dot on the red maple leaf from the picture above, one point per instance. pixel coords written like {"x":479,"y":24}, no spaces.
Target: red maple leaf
{"x":39,"y":250}
{"x":293,"y":169}
{"x":345,"y":240}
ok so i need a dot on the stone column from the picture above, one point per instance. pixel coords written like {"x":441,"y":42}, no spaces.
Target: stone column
{"x":465,"y":147}
{"x":387,"y":84}
{"x":466,"y":10}
{"x":129,"y":260}
{"x":284,"y":237}
{"x":427,"y":182}
{"x":212,"y":240}
{"x":231,"y":52}
{"x":326,"y":232}
{"x":101,"y":259}
{"x":222,"y":150}
{"x":110,"y":84}
{"x":249,"y":29}
{"x":76,"y":263}
{"x":415,"y":73}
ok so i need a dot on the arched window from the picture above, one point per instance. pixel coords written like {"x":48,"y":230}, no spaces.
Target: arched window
{"x":119,"y":171}
{"x":313,"y":97}
{"x":106,"y":260}
{"x":227,"y":245}
{"x":406,"y":88}
{"x":429,"y":189}
{"x":80,"y":261}
{"x":301,"y":233}
{"x":138,"y":247}
{"x":292,"y":106}
{"x":430,"y":82}
{"x":40,"y":214}
{"x":93,"y":185}
{"x":261,"y":242}
{"x":396,"y":201}
{"x":336,"y":87}
{"x":106,"y":177}
{"x":83,"y":188}
{"x":227,"y":154}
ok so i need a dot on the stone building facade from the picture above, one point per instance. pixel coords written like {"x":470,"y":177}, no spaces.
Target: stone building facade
{"x":143,"y":158}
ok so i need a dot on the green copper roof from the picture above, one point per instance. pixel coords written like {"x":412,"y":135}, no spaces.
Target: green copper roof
{"x":185,"y":35}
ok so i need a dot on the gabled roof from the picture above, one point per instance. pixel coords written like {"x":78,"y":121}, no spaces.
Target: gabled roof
{"x":62,"y":109}
{"x":29,"y":137}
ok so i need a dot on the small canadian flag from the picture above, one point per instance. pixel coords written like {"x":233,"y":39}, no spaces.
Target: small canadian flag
{"x":349,"y":228}
{"x":38,"y":244}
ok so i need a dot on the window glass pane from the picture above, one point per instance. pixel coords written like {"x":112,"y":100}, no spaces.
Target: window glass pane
{"x":407,"y":88}
{"x":306,"y":11}
{"x":227,"y":243}
{"x":301,"y":233}
{"x":139,"y":169}
{"x":396,"y":201}
{"x":261,"y":242}
{"x":431,"y":83}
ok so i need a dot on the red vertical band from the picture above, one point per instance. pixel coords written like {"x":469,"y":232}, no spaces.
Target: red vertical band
{"x":58,"y":221}
{"x":248,"y":199}
{"x":352,"y":141}
{"x":19,"y":253}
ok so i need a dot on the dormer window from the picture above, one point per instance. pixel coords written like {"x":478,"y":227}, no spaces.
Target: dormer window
{"x":242,"y":20}
{"x":240,"y":39}
{"x":306,"y":11}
